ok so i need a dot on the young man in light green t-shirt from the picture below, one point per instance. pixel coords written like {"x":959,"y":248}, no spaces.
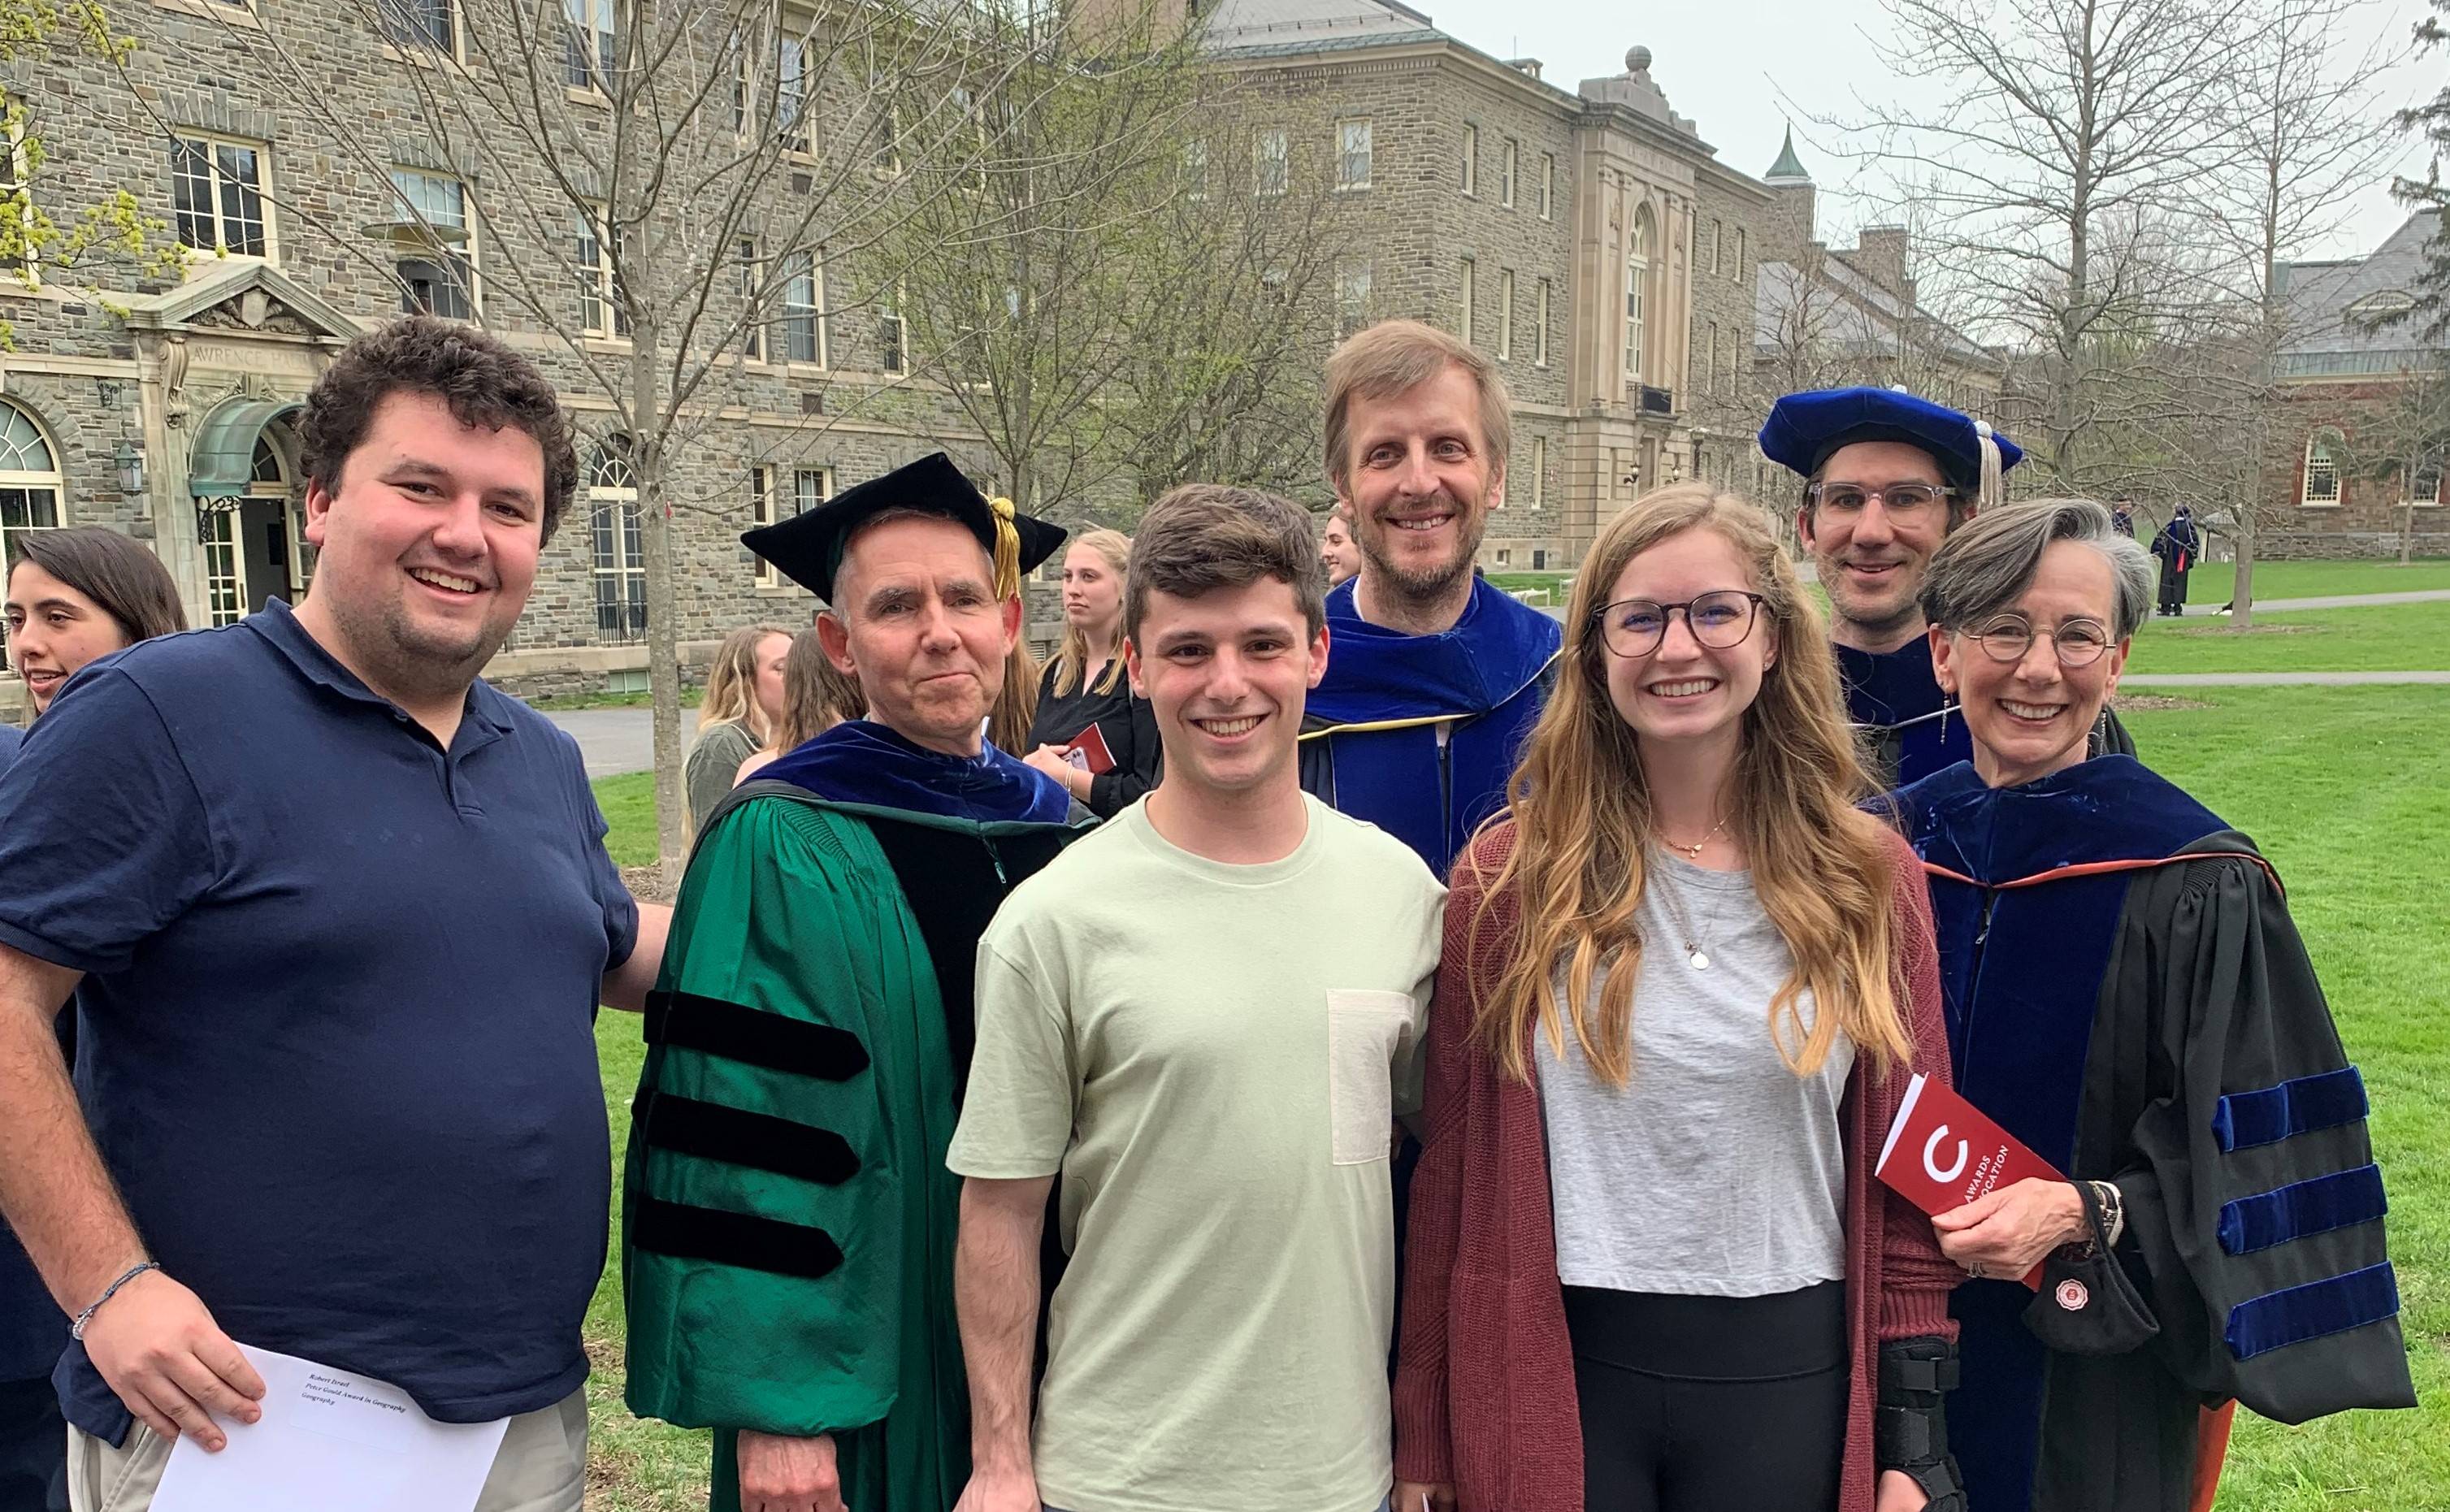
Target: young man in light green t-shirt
{"x":1206,"y":1017}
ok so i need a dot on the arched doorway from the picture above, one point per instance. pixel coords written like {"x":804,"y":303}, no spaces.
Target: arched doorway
{"x":250,"y":514}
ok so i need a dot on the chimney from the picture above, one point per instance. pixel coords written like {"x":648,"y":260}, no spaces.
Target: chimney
{"x":1881,"y":256}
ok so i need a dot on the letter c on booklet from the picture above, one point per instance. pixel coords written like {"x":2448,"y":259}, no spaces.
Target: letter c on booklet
{"x":1964,"y":1152}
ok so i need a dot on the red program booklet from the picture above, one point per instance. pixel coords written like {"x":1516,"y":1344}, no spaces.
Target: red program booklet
{"x":1943,"y":1151}
{"x":1089,"y":752}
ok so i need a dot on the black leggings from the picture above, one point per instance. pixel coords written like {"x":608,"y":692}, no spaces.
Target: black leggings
{"x":1710,"y":1404}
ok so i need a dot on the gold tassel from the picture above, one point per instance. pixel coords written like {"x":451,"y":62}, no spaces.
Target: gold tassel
{"x":1007,"y":550}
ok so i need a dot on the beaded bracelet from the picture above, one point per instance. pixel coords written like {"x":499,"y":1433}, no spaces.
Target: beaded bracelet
{"x":76,"y":1329}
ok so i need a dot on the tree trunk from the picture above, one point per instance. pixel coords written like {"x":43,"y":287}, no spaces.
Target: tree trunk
{"x":2407,"y":533}
{"x":641,"y":286}
{"x":2241,"y":591}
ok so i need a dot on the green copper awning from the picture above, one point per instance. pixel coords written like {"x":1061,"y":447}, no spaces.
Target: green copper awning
{"x":222,"y":465}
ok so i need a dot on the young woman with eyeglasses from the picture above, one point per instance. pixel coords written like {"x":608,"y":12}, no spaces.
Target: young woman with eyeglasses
{"x":1685,"y":982}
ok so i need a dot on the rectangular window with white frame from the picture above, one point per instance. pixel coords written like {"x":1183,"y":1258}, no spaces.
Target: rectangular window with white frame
{"x":753,"y":303}
{"x":1271,"y":163}
{"x":1539,"y":331}
{"x":1470,"y":159}
{"x":1506,"y":174}
{"x":892,"y":330}
{"x":1718,"y":248}
{"x":1547,"y":185}
{"x":1740,"y":253}
{"x":804,"y":309}
{"x":1195,"y":169}
{"x":810,"y":487}
{"x":761,"y":509}
{"x":592,"y":48}
{"x":795,"y":116}
{"x":1539,"y":471}
{"x":218,"y":191}
{"x":602,"y":311}
{"x":1710,"y":361}
{"x":1352,"y":154}
{"x":1352,"y":296}
{"x":1506,"y":315}
{"x":438,"y":270}
{"x":1470,"y":296}
{"x":429,"y":26}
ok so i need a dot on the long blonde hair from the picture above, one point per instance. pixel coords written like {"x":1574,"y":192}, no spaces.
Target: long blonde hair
{"x":1072,"y":657}
{"x":1581,"y":814}
{"x":731,"y":681}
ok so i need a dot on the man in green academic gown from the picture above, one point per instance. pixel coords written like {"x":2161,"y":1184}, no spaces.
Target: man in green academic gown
{"x":787,"y":1233}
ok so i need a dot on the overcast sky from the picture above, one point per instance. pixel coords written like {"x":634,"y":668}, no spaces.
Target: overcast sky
{"x":1739,"y":68}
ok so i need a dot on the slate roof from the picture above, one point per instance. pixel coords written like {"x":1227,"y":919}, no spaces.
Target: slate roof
{"x":1255,"y":28}
{"x":2330,"y":340}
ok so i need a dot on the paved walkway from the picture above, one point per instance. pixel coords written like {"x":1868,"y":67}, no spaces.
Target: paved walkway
{"x":2274,"y":679}
{"x":2265,"y":606}
{"x":613,"y":741}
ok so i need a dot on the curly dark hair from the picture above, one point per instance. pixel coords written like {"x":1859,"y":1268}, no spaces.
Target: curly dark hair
{"x":483,"y":380}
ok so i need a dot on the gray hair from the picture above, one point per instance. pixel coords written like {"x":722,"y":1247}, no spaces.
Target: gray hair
{"x":1987,"y":565}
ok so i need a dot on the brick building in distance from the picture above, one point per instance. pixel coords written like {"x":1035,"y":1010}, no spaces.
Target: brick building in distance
{"x":2361,"y":410}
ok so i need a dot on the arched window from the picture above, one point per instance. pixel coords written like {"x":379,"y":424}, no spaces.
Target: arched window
{"x":619,"y":532}
{"x":1637,"y":279}
{"x":29,"y":486}
{"x":2322,"y":487}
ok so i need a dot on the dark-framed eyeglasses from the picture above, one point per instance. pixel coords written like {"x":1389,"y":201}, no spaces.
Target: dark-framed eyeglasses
{"x":1633,"y":627}
{"x":1897,"y":498}
{"x":2078,"y":642}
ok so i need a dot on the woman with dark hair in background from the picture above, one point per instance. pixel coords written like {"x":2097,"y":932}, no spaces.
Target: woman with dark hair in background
{"x":75,"y":596}
{"x":80,"y":594}
{"x":1086,"y":684}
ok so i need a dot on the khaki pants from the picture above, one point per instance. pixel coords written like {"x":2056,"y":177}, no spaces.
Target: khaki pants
{"x":542,"y":1466}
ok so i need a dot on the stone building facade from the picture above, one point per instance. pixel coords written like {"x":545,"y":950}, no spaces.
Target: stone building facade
{"x":1588,"y":239}
{"x":2361,"y":400}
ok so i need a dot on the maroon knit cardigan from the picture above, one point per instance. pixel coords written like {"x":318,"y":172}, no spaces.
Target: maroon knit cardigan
{"x":1484,"y":1391}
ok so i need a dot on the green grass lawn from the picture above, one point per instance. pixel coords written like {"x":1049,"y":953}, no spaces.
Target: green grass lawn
{"x":2210,"y":582}
{"x":2396,"y":637}
{"x":2333,"y":784}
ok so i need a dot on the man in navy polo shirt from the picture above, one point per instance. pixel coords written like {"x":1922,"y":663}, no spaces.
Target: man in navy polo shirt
{"x":338,"y":916}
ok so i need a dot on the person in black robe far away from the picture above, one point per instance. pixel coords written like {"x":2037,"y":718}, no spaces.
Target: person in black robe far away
{"x":2177,"y":545}
{"x":2127,"y":994}
{"x":1887,"y":477}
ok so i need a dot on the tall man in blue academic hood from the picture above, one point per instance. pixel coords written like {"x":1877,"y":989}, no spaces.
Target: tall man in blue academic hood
{"x":1434,"y":677}
{"x":1887,"y":476}
{"x":788,"y":1234}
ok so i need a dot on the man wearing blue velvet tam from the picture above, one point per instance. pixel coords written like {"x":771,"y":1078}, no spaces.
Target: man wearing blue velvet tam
{"x":1887,"y":476}
{"x":787,"y":1237}
{"x":1434,"y":677}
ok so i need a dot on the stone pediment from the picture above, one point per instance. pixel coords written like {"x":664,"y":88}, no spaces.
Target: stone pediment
{"x":242,"y":297}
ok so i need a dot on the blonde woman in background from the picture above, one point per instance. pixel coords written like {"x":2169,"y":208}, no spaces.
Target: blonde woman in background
{"x":816,"y":697}
{"x":1086,"y":684}
{"x":743,"y":697}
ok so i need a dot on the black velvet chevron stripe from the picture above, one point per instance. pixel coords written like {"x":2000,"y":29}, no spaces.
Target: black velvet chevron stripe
{"x":2302,"y":1207}
{"x":733,"y":1239}
{"x":2301,"y":1105}
{"x":712,"y":1132}
{"x":2295,"y":1314}
{"x":753,"y":1037}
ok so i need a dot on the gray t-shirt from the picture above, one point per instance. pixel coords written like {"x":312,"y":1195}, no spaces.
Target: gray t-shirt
{"x":1715,"y":1171}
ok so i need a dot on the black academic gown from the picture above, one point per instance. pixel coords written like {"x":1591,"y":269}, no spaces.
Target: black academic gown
{"x":2177,"y":546}
{"x":1895,"y":704}
{"x":1128,"y":723}
{"x":2127,"y":994}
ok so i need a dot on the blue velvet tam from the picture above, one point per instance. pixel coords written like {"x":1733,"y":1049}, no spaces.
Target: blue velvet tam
{"x":1804,"y":428}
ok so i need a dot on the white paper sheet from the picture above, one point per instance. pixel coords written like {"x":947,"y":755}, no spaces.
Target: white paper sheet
{"x":330,"y":1439}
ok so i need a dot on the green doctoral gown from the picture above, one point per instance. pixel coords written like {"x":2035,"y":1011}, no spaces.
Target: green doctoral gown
{"x":789,"y":1220}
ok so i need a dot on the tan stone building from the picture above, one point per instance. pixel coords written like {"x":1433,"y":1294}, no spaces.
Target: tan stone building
{"x":1588,"y":239}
